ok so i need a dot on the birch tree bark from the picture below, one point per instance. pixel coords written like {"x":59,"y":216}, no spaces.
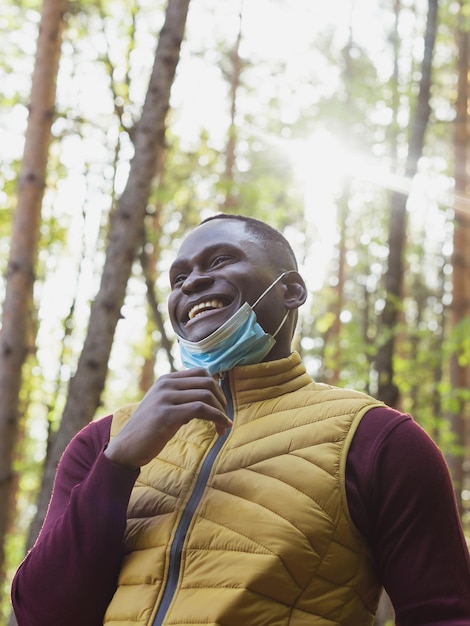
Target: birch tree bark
{"x":16,"y":321}
{"x":124,"y":238}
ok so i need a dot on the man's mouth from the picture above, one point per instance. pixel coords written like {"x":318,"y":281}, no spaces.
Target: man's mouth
{"x":202,"y":307}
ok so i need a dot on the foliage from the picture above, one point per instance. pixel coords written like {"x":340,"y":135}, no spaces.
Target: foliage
{"x":323,"y":129}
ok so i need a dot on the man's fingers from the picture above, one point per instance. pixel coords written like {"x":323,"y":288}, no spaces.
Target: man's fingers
{"x":189,"y":408}
{"x":175,"y":399}
{"x":197,"y":381}
{"x":202,"y":397}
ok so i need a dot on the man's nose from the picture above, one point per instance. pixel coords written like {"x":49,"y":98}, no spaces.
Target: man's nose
{"x":195,"y":281}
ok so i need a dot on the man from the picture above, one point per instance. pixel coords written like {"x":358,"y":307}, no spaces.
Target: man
{"x":239,"y":492}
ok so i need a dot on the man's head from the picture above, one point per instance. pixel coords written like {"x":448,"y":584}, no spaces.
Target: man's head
{"x":228,"y":260}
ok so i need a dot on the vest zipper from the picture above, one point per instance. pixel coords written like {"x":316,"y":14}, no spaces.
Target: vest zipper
{"x":188,"y":512}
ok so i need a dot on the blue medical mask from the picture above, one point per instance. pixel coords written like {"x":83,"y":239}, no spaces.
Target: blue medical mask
{"x":239,"y":341}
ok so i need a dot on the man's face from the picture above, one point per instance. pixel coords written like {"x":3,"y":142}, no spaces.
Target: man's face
{"x":219,"y":266}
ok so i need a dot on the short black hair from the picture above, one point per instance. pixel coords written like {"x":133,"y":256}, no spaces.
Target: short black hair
{"x":279,"y":250}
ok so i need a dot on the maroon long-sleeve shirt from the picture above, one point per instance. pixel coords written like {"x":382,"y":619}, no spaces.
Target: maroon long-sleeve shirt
{"x":399,"y":493}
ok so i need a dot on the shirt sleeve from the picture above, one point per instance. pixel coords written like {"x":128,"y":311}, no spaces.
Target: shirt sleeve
{"x":70,"y":574}
{"x":402,"y":500}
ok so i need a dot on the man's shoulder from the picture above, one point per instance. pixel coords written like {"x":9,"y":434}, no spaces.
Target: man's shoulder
{"x":383,"y":420}
{"x":324,"y":393}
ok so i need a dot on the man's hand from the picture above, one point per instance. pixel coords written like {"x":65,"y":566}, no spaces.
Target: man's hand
{"x":172,"y":401}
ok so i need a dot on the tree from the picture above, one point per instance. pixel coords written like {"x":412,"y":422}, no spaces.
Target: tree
{"x":460,"y":306}
{"x":234,"y":78}
{"x":15,"y":338}
{"x":125,"y":232}
{"x":387,"y":388}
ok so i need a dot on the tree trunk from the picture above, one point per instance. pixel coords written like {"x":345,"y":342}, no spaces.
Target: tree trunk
{"x":17,"y":322}
{"x":387,"y":389}
{"x":334,"y":334}
{"x":125,"y":236}
{"x":230,"y":149}
{"x":460,"y":307}
{"x":148,"y":262}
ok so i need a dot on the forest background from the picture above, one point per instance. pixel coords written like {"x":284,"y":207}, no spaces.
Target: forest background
{"x":344,"y":124}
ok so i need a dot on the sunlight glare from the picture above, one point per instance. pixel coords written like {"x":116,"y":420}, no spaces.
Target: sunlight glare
{"x":319,"y":163}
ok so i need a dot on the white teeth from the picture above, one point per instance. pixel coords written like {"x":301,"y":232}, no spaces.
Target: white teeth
{"x":204,"y":306}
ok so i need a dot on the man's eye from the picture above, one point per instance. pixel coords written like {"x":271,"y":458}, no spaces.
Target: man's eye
{"x":178,"y":280}
{"x":218,"y":260}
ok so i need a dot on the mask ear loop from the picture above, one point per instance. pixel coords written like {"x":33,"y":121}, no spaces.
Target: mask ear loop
{"x":281,"y":324}
{"x":262,"y":296}
{"x":269,"y":288}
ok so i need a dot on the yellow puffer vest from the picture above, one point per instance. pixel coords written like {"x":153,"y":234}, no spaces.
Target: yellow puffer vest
{"x":257,"y":533}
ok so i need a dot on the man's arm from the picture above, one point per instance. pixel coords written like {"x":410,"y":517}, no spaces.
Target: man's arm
{"x":70,"y":574}
{"x":401,"y":498}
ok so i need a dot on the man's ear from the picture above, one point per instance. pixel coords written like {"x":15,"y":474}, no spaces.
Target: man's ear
{"x":295,"y":291}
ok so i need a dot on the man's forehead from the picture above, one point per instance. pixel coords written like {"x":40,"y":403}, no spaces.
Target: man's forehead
{"x":212,"y":234}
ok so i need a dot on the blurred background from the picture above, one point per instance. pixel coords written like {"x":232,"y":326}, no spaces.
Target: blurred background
{"x":344,"y":124}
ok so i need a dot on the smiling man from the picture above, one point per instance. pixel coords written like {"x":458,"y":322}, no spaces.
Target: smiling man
{"x":239,"y":492}
{"x":222,"y":269}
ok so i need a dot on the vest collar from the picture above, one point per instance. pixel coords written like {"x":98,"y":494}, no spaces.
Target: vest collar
{"x":270,"y":379}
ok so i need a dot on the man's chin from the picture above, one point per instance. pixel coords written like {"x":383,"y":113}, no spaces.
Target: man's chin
{"x":199,"y":333}
{"x":201,"y":327}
